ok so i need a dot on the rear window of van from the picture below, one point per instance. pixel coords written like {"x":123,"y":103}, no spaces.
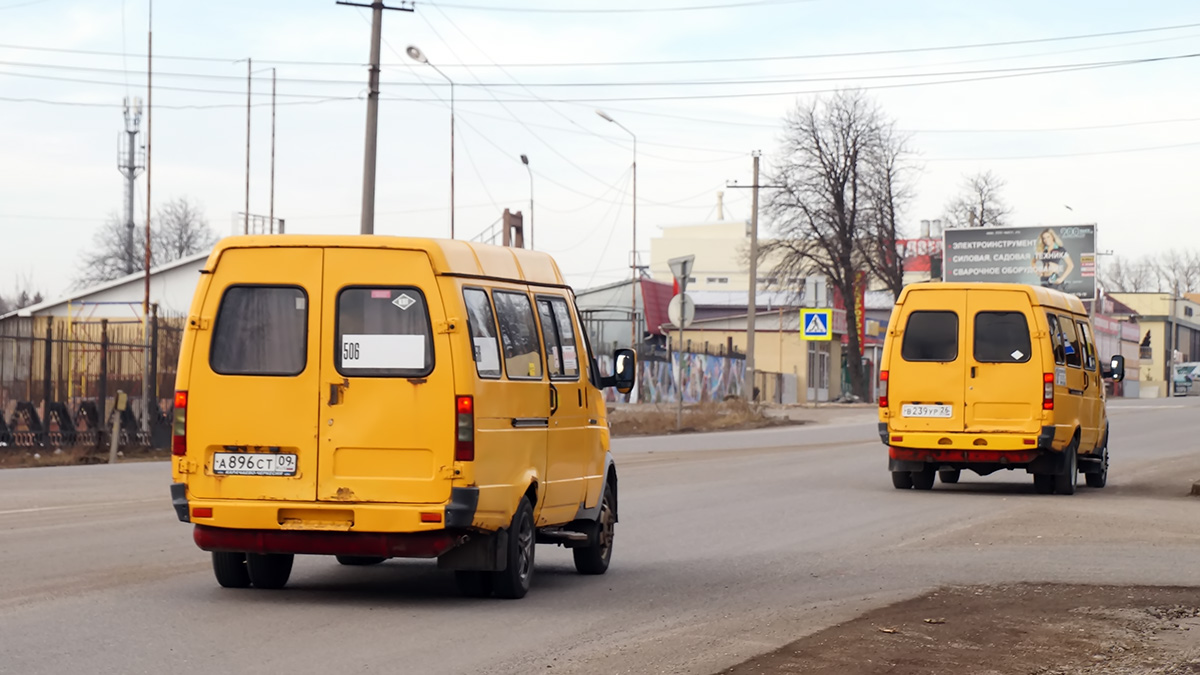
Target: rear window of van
{"x":930,"y":336}
{"x":261,"y":330}
{"x":1001,"y":337}
{"x":383,"y":332}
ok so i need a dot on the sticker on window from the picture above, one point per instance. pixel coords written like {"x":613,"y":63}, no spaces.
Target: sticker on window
{"x":404,"y":301}
{"x":570,"y":361}
{"x":300,"y":304}
{"x":383,"y":352}
{"x":487,"y":354}
{"x":1060,"y":376}
{"x":1017,"y":354}
{"x":384,"y":294}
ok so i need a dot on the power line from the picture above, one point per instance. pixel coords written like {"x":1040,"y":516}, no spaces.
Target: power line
{"x":585,"y":64}
{"x":615,"y":10}
{"x":1121,"y":151}
{"x":1089,"y":127}
{"x":157,"y":106}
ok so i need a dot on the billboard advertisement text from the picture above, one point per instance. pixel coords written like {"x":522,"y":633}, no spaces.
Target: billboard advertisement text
{"x":1062,"y":257}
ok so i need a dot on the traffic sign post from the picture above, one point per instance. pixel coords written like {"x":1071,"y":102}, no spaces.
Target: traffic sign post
{"x":681,"y":311}
{"x":816,"y":324}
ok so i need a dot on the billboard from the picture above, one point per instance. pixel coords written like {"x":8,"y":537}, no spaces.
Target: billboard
{"x":916,"y":253}
{"x":1062,"y":257}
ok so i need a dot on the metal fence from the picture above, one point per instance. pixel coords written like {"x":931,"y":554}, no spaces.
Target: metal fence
{"x":60,"y":377}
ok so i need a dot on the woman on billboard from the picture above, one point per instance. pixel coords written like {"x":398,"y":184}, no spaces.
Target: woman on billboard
{"x":1051,"y":261}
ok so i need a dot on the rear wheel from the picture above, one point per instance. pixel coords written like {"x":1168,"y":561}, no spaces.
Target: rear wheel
{"x":923,"y":480}
{"x":902,"y":480}
{"x":513,"y":582}
{"x":1065,"y":482}
{"x":594,"y":558}
{"x":359,"y":560}
{"x":1100,"y":478}
{"x":949,"y":476}
{"x":230,"y":569}
{"x":270,"y":570}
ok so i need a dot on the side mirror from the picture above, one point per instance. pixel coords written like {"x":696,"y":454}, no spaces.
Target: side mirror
{"x":1116,"y":368}
{"x":624,"y":371}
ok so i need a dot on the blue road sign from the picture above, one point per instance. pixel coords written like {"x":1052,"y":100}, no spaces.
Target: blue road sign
{"x":816,"y":324}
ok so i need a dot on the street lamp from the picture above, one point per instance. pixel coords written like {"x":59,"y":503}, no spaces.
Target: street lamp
{"x":416,"y":55}
{"x":633,"y":288}
{"x":525,"y":161}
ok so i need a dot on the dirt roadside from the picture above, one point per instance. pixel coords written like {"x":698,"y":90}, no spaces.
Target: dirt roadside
{"x":1025,"y":629}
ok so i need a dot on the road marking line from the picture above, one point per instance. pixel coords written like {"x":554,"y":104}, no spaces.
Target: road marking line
{"x":39,"y":509}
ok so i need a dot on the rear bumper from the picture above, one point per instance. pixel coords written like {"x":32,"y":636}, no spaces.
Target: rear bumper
{"x":970,"y":441}
{"x":334,"y":517}
{"x":982,"y":461}
{"x":374,"y":544}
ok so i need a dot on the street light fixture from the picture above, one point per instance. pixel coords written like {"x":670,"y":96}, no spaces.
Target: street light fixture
{"x":633,"y":264}
{"x":417,"y":55}
{"x":525,"y":161}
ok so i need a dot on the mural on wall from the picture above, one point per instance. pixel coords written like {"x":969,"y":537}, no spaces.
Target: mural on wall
{"x":705,"y":378}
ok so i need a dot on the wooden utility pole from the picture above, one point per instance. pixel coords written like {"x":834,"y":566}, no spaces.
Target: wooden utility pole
{"x":752,"y":302}
{"x":368,"y":190}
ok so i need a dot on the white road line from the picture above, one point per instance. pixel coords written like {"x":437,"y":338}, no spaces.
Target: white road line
{"x":40,"y":509}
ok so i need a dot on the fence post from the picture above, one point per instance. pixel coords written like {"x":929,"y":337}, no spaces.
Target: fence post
{"x":102,"y":398}
{"x":48,"y":369}
{"x":153,"y":359}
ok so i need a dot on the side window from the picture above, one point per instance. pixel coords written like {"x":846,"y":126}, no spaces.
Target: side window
{"x":1056,"y":339}
{"x":518,"y":335}
{"x":1071,"y":346}
{"x":383,"y":332}
{"x":559,"y":335}
{"x":930,"y":336}
{"x":261,"y":330}
{"x":1001,"y":337}
{"x":1089,"y":347}
{"x":482,"y":326}
{"x":550,"y":338}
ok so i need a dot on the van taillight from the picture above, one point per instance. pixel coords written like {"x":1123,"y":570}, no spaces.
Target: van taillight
{"x":179,"y":425}
{"x":883,"y":380}
{"x":1048,"y":391}
{"x":464,"y":438}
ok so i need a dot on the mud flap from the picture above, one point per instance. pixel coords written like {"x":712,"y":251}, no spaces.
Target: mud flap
{"x":481,"y":553}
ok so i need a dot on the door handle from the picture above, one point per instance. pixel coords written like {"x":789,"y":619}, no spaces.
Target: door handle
{"x":972,"y":372}
{"x":335,"y":391}
{"x":553,"y":399}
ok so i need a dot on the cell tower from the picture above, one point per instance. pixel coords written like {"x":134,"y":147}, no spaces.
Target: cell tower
{"x":131,"y":161}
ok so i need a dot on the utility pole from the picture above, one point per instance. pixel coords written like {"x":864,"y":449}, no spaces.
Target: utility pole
{"x":368,"y":191}
{"x":752,"y":302}
{"x":246,"y":215}
{"x":146,"y":298}
{"x":130,"y":163}
{"x":271,"y":227}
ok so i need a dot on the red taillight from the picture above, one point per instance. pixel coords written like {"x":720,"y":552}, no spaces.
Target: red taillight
{"x":1048,"y":391}
{"x":202,"y":512}
{"x":179,"y":425}
{"x":883,"y":387}
{"x":464,"y":438}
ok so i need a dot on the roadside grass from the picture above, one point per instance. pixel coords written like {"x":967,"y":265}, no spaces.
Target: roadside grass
{"x":656,"y":420}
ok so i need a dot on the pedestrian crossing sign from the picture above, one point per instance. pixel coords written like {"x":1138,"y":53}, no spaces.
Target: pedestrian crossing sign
{"x":816,"y":324}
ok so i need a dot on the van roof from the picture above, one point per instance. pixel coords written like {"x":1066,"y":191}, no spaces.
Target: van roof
{"x":1043,"y":297}
{"x":449,"y":256}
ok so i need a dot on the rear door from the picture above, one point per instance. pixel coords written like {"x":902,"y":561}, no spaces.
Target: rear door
{"x":387,"y":388}
{"x":1004,"y":378}
{"x":252,"y":409}
{"x":925,"y":383}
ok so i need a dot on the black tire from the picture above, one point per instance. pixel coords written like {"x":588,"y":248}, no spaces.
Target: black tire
{"x":594,"y":558}
{"x":1100,"y":478}
{"x":1065,"y":482}
{"x":923,"y":480}
{"x":472,"y":584}
{"x":271,"y":570}
{"x":230,"y":569}
{"x":949,"y":476}
{"x":1043,"y":483}
{"x":513,"y":582}
{"x":359,"y":560}
{"x":902,"y":480}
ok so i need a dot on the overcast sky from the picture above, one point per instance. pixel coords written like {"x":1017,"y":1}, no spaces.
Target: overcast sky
{"x":1118,"y":145}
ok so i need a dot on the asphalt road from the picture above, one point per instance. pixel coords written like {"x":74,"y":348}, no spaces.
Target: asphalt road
{"x":729,"y":545}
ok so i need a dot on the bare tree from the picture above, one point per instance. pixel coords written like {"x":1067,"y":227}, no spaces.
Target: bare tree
{"x":1171,"y":271}
{"x":182,"y":230}
{"x":178,"y":230}
{"x":979,"y":204}
{"x":1124,"y":275}
{"x":889,"y":190}
{"x":824,"y":211}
